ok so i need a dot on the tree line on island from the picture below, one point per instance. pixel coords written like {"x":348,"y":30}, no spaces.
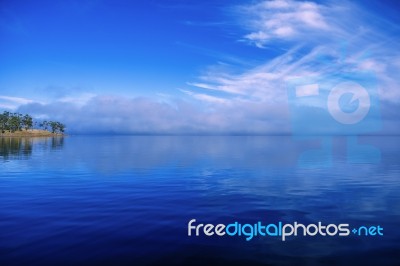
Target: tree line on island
{"x":13,"y":122}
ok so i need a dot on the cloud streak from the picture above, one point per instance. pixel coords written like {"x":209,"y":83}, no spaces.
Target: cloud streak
{"x":314,"y":44}
{"x":10,"y":103}
{"x":281,"y":19}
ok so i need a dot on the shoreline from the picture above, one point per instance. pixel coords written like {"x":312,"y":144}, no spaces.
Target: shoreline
{"x":31,"y":133}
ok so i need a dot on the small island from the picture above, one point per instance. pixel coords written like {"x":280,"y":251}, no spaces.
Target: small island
{"x":19,"y":125}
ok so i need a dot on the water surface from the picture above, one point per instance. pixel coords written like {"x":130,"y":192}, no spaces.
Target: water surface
{"x":128,"y":199}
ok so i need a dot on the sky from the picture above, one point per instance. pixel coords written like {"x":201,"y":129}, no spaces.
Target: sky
{"x":196,"y":67}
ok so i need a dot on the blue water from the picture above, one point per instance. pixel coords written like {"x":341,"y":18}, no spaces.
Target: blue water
{"x":127,"y":200}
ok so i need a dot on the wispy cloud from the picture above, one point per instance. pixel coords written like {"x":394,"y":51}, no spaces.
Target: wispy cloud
{"x":11,"y":103}
{"x":314,"y":43}
{"x":284,"y":19}
{"x":206,"y":97}
{"x":79,"y":100}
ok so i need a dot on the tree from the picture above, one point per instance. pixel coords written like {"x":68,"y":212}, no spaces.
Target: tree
{"x":4,"y":121}
{"x":61,"y":127}
{"x":56,"y":127}
{"x":27,"y":122}
{"x":53,"y":126}
{"x":44,"y":125}
{"x":16,"y":122}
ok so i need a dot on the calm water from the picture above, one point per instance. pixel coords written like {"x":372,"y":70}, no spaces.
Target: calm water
{"x":128,"y":200}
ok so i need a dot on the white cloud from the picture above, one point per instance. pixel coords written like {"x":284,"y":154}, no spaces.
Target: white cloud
{"x":206,"y":97}
{"x":11,"y":103}
{"x":115,"y":114}
{"x":289,"y":20}
{"x":315,"y":44}
{"x":17,"y":100}
{"x":79,"y":100}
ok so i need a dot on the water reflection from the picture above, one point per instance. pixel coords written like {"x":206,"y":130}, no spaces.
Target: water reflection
{"x":148,"y":152}
{"x":225,"y":152}
{"x":116,"y":154}
{"x":20,"y":148}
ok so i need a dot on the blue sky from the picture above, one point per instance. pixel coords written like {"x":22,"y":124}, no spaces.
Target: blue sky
{"x":188,"y":66}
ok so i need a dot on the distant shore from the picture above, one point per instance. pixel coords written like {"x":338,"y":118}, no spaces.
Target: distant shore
{"x":31,"y":133}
